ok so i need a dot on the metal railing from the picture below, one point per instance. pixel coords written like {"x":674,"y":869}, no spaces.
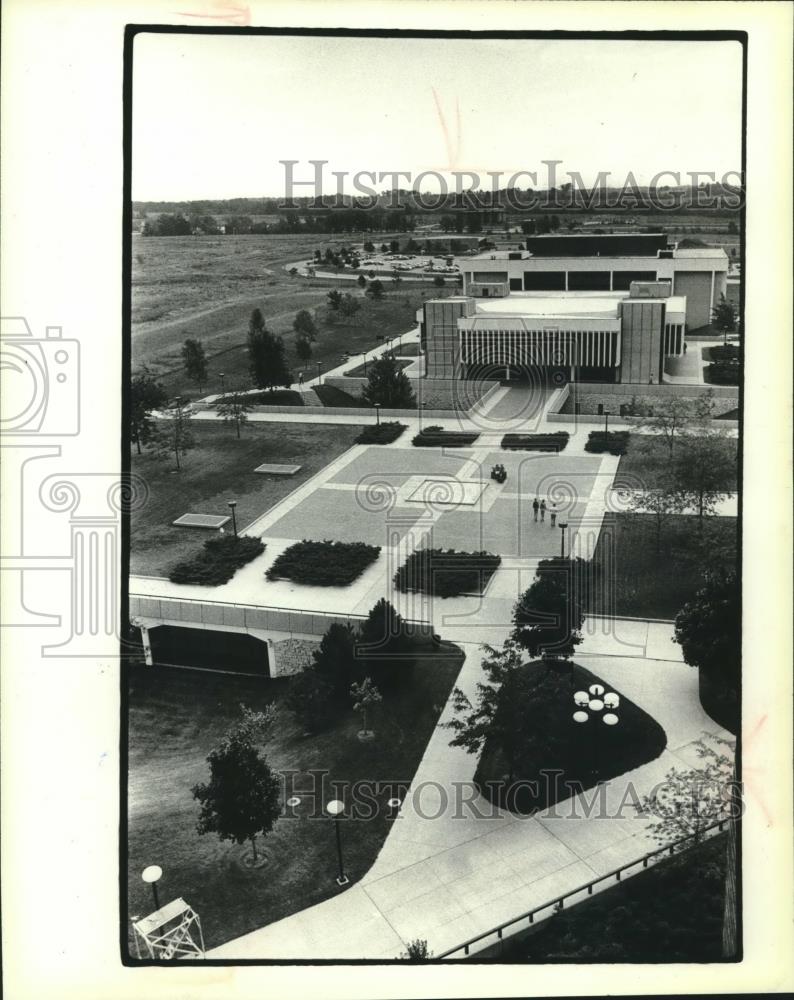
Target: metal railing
{"x":558,"y":902}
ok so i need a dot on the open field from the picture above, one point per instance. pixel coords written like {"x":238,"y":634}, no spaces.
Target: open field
{"x":177,"y":716}
{"x":218,"y":469}
{"x":206,"y":288}
{"x":651,"y":583}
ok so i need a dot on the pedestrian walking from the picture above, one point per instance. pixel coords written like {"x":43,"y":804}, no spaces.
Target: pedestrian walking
{"x":535,"y":508}
{"x":300,"y":378}
{"x":543,"y":510}
{"x":553,"y":513}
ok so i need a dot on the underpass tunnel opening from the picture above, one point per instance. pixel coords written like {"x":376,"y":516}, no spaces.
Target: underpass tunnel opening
{"x":209,"y":649}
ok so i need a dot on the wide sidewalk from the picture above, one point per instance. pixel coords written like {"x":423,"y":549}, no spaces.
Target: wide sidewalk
{"x":454,"y":867}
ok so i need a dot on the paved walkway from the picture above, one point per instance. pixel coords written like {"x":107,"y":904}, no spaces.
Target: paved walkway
{"x":453,"y":867}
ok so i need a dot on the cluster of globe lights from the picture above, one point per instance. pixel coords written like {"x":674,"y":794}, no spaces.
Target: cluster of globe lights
{"x":596,"y":699}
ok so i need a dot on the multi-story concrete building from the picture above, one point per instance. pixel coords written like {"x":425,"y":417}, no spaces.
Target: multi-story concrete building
{"x":583,"y":336}
{"x":607,"y":263}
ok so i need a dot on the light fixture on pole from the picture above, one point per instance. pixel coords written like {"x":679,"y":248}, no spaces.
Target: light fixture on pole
{"x":606,"y":424}
{"x":233,"y":504}
{"x":563,"y":525}
{"x":221,"y":376}
{"x":319,"y":371}
{"x":336,"y":809}
{"x":377,"y":414}
{"x":152,"y":874}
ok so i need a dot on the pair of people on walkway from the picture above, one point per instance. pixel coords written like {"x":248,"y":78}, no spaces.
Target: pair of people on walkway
{"x":539,"y":507}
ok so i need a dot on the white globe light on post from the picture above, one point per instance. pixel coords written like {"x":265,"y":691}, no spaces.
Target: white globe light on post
{"x":581,"y":698}
{"x":595,"y":704}
{"x":580,"y":717}
{"x":611,"y":700}
{"x":336,"y":809}
{"x":596,"y":690}
{"x":152,"y":874}
{"x":610,"y":719}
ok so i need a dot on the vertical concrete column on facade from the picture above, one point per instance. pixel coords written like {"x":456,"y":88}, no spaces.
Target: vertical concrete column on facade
{"x":611,"y":280}
{"x":712,"y":303}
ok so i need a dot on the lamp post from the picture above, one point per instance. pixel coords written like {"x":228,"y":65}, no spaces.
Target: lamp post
{"x":233,"y":504}
{"x":377,"y":414}
{"x":319,"y":372}
{"x":589,"y":706}
{"x":336,"y":809}
{"x":606,"y":424}
{"x":152,"y":874}
{"x":221,"y":376}
{"x":365,"y":363}
{"x":563,"y":526}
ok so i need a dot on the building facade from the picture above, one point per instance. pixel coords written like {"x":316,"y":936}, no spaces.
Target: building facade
{"x":608,"y":263}
{"x":606,"y":337}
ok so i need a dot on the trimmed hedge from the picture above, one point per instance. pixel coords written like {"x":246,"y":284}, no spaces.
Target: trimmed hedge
{"x":555,"y":441}
{"x":436,"y":436}
{"x":383,"y":433}
{"x":616,"y":442}
{"x":446,"y":572}
{"x":726,"y":352}
{"x":329,"y":395}
{"x":278,"y":397}
{"x":323,"y":564}
{"x":723,"y":373}
{"x":218,"y":561}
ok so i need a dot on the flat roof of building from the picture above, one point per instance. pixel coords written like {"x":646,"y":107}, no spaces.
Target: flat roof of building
{"x":604,"y":304}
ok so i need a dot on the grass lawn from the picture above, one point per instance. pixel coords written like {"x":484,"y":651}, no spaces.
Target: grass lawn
{"x":671,"y":913}
{"x":177,"y":716}
{"x":655,"y":469}
{"x":645,"y":584}
{"x":218,"y":469}
{"x":586,"y":753}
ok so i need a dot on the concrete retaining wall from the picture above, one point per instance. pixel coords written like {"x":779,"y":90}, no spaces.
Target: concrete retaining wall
{"x":589,"y":395}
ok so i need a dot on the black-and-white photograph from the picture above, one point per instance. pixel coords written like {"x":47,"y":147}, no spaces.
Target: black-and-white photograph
{"x":436,"y":361}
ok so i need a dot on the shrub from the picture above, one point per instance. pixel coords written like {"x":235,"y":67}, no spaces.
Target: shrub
{"x":278,"y":397}
{"x":323,"y":564}
{"x":309,"y":698}
{"x":435,"y":437}
{"x":616,"y":442}
{"x":723,"y":373}
{"x":335,"y":660}
{"x":218,"y":561}
{"x":446,"y":573}
{"x":536,"y":442}
{"x":383,"y":433}
{"x":386,"y":646}
{"x":331,"y":396}
{"x":727,"y":352}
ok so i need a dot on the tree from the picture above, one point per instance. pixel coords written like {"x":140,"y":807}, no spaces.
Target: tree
{"x":369,"y":247}
{"x":361,"y":281}
{"x":176,"y":439}
{"x":195,"y":361}
{"x":388,"y":384}
{"x":303,"y":348}
{"x":438,"y":281}
{"x":335,"y":660}
{"x":234,"y":408}
{"x":375,"y":289}
{"x":689,"y":801}
{"x":385,"y":645}
{"x":394,"y":246}
{"x":349,"y":305}
{"x":417,"y":949}
{"x":146,"y":395}
{"x":707,"y":629}
{"x":670,"y":416}
{"x":334,"y":299}
{"x":704,"y":470}
{"x":293,"y":271}
{"x":304,"y":325}
{"x":550,"y":614}
{"x":663,"y":503}
{"x":498,"y":716}
{"x":724,"y":317}
{"x":241,"y":799}
{"x":266,"y":360}
{"x":310,"y":698}
{"x":365,"y":696}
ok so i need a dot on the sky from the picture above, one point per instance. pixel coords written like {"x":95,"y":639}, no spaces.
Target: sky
{"x":214,"y":115}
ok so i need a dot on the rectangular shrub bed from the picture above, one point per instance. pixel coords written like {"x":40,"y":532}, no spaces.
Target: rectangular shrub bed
{"x":358,"y":371}
{"x":723,"y":373}
{"x":726,"y":352}
{"x":446,"y":572}
{"x":323,"y":564}
{"x":435,"y":437}
{"x":615,"y":442}
{"x":331,"y":396}
{"x":278,"y":397}
{"x":383,"y":433}
{"x":536,"y":442}
{"x":218,"y":561}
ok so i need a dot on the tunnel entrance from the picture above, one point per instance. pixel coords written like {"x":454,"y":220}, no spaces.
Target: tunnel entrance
{"x":209,"y":649}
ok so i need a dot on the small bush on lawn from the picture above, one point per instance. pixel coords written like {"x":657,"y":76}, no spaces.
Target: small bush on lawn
{"x":536,"y":442}
{"x":218,"y":561}
{"x":616,"y":442}
{"x":446,"y":573}
{"x":723,"y":373}
{"x":383,"y":433}
{"x":323,"y":564}
{"x":434,"y":437}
